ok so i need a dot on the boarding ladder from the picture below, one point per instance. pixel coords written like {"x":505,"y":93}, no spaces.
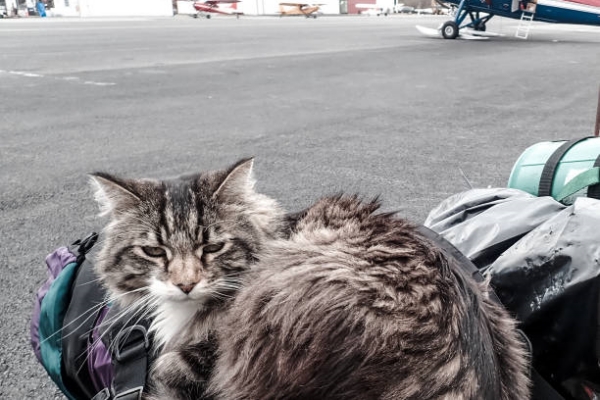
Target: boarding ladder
{"x":525,"y":23}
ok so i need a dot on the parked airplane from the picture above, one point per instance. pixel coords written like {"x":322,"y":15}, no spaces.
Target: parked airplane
{"x":584,"y":12}
{"x":308,"y":10}
{"x":205,"y":8}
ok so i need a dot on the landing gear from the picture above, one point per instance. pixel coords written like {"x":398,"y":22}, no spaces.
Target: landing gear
{"x":199,"y":14}
{"x":450,"y":30}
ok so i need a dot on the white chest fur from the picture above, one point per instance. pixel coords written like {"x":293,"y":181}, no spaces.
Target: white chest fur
{"x":171,"y":320}
{"x":180,"y":323}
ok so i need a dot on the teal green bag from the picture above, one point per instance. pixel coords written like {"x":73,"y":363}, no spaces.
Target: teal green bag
{"x":561,"y":169}
{"x":51,"y":324}
{"x":53,"y":309}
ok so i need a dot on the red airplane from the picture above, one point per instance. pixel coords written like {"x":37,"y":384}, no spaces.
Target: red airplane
{"x":204,"y":8}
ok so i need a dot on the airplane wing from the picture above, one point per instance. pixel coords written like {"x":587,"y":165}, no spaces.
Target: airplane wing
{"x":302,"y":4}
{"x":215,"y":2}
{"x":593,"y":3}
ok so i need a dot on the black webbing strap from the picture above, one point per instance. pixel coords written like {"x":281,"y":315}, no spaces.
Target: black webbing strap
{"x":84,"y":297}
{"x":594,"y":190}
{"x":128,"y":339}
{"x":547,"y":176}
{"x":541,"y":389}
{"x":130,"y":361}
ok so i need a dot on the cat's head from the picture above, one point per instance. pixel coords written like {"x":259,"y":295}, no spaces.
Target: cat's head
{"x":188,"y":239}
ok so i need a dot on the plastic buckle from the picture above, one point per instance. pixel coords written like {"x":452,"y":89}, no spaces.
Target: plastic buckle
{"x":131,"y":394}
{"x":131,"y":343}
{"x":104,"y":394}
{"x":84,"y":246}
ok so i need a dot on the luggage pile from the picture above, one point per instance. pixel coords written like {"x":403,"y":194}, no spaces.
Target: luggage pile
{"x":538,"y":241}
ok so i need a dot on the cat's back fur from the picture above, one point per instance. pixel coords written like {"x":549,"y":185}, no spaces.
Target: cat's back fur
{"x":358,"y":305}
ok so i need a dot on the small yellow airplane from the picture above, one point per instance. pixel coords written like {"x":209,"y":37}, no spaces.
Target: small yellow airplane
{"x":308,"y":10}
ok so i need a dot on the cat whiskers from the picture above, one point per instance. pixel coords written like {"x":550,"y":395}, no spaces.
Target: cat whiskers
{"x":145,"y":304}
{"x":93,"y":281}
{"x":229,"y":286}
{"x":221,"y":296}
{"x":89,"y":313}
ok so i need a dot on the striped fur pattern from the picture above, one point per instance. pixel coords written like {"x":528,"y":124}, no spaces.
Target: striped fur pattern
{"x":357,"y":305}
{"x":336,"y":302}
{"x":177,"y":250}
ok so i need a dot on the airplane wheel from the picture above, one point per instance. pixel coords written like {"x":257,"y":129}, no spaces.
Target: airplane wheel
{"x":195,"y":15}
{"x":207,"y":16}
{"x":450,"y":30}
{"x":480,"y":27}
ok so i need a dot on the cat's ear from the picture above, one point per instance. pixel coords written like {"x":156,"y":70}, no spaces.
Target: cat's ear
{"x":114,"y":195}
{"x":238,"y":181}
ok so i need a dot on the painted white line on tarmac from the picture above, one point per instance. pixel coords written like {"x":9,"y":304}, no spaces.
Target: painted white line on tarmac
{"x":73,"y":79}
{"x":26,"y":74}
{"x":99,"y":83}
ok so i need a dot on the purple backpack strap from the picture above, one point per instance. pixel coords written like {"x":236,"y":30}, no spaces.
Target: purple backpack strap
{"x":56,"y":262}
{"x":99,"y":361}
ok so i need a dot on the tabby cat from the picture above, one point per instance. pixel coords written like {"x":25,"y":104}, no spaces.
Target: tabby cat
{"x":339,"y":301}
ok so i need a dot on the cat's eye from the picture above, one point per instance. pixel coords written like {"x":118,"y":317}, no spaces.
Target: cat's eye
{"x":154,"y":251}
{"x":212,"y":248}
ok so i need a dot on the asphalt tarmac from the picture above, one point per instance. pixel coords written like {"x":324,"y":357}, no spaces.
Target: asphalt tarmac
{"x":356,"y":104}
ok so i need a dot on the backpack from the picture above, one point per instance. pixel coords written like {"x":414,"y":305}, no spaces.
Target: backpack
{"x":89,"y":348}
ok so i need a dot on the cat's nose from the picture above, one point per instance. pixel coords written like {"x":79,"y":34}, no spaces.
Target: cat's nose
{"x":186,"y":287}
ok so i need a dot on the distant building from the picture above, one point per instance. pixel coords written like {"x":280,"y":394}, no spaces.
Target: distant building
{"x":165,"y":8}
{"x":358,"y":6}
{"x":112,"y":8}
{"x":13,"y":8}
